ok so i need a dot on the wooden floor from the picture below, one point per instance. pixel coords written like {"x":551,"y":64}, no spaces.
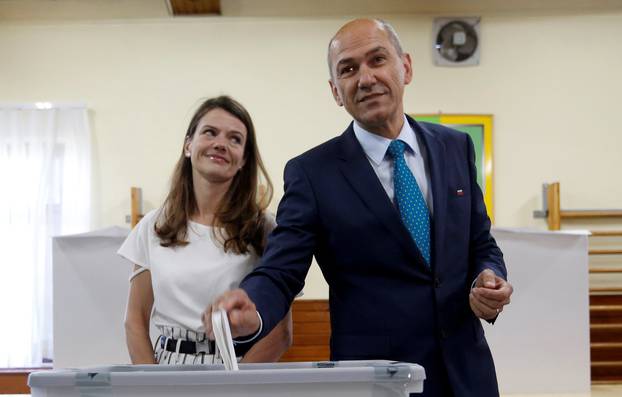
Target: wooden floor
{"x":597,"y":391}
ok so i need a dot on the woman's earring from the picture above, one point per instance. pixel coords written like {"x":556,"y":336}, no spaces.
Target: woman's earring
{"x":187,"y":154}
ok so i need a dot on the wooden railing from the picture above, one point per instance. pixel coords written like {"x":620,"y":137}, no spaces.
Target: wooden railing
{"x":136,"y":205}
{"x":555,"y":215}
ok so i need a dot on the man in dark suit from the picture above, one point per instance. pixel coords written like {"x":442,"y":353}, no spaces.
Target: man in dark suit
{"x":393,"y":214}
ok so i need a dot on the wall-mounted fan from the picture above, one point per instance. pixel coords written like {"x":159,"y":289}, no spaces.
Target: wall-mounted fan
{"x":456,"y":41}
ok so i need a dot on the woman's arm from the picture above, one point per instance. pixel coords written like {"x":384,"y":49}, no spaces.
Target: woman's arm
{"x":273,"y":345}
{"x":138,"y":313}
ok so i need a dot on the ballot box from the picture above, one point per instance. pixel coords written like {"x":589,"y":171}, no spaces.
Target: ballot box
{"x":304,"y":379}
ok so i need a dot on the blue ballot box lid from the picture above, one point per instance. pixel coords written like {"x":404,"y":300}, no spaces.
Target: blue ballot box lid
{"x":338,"y":378}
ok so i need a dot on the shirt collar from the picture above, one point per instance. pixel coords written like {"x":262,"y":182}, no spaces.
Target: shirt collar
{"x":375,"y":146}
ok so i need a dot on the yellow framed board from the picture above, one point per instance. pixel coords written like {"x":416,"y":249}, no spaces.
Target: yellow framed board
{"x":479,"y":128}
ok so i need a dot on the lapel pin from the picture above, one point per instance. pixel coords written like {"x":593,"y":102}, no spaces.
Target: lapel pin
{"x":459,"y":193}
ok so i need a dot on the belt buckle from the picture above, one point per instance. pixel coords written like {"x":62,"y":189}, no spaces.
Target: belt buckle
{"x":203,"y":347}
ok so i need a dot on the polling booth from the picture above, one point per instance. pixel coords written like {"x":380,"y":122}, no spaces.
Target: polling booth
{"x":90,"y":289}
{"x":540,"y":342}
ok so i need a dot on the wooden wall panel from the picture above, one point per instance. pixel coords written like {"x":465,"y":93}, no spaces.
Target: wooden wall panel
{"x":311,"y":320}
{"x":14,"y":382}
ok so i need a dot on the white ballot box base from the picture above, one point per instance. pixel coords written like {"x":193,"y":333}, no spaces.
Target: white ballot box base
{"x":304,"y":379}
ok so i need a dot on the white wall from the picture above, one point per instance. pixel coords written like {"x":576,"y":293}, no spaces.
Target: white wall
{"x":551,"y":81}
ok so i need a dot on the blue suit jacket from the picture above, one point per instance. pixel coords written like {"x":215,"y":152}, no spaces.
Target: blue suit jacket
{"x":384,"y":302}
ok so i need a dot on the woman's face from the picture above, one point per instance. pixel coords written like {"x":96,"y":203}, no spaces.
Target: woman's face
{"x":216,"y":149}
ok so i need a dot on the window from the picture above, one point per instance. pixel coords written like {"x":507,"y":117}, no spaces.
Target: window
{"x":45,"y":172}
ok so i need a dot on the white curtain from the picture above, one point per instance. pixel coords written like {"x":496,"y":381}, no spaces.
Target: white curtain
{"x":45,"y":172}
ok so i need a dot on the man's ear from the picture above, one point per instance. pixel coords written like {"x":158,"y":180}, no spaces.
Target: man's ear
{"x":333,"y":89}
{"x":408,"y":68}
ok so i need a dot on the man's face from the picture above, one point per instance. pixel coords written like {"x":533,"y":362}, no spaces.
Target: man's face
{"x":368,"y":75}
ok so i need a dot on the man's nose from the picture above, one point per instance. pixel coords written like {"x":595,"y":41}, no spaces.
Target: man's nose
{"x":367,"y":78}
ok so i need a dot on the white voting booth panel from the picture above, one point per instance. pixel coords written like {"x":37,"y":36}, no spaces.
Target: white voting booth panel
{"x":541,"y":341}
{"x":335,"y":379}
{"x":90,"y":287}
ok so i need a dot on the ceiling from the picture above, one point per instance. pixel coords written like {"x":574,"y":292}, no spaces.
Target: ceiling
{"x":137,"y":9}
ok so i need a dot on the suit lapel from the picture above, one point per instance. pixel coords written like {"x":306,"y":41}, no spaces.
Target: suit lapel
{"x":438,"y":176}
{"x":361,"y":176}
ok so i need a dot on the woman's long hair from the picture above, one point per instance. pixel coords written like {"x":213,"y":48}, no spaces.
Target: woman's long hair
{"x":239,"y":222}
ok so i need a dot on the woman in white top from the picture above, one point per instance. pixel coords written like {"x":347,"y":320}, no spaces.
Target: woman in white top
{"x":206,"y":237}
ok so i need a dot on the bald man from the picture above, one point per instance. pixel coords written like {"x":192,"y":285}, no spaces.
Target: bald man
{"x":393,"y":214}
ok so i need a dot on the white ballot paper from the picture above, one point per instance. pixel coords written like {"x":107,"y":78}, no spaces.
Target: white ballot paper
{"x":224,"y":341}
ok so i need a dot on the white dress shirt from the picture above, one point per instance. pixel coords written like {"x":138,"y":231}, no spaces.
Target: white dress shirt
{"x":375,"y":148}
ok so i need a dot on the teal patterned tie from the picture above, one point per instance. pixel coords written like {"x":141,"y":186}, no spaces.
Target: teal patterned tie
{"x":410,"y":201}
